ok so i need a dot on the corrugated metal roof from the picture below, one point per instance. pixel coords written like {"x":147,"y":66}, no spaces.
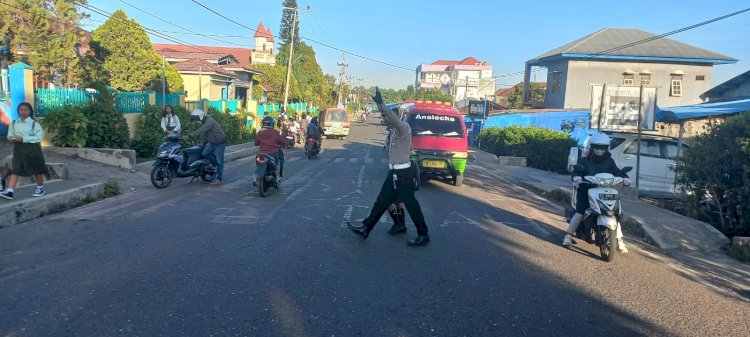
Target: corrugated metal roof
{"x":699,"y":111}
{"x":603,"y":41}
{"x":728,"y":85}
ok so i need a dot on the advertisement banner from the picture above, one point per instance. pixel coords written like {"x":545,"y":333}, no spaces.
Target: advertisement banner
{"x":477,"y":108}
{"x":616,"y":108}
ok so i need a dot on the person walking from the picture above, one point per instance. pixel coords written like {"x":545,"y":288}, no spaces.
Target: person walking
{"x":400,"y":182}
{"x":216,"y":141}
{"x":169,"y":121}
{"x":28,"y":160}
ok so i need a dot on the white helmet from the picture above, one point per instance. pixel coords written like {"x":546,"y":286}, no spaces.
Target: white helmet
{"x":197,"y":114}
{"x":599,"y":143}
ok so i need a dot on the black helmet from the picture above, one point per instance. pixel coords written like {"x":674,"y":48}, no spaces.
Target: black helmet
{"x":267,"y":122}
{"x":314,"y":121}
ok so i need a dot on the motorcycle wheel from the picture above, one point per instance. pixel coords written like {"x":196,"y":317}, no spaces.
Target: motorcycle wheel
{"x":161,"y":176}
{"x":209,"y":175}
{"x":262,"y":188}
{"x":608,"y":244}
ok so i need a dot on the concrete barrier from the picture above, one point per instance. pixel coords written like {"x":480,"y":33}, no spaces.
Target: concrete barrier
{"x":512,"y":161}
{"x":28,"y":209}
{"x":123,"y":158}
{"x":54,"y":170}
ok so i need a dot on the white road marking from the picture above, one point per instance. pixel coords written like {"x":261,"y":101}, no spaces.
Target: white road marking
{"x":347,"y":215}
{"x":293,"y":159}
{"x":353,"y":160}
{"x":338,"y":160}
{"x":360,"y":177}
{"x":369,"y":160}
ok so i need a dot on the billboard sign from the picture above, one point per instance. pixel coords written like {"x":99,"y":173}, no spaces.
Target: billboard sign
{"x":477,"y":108}
{"x":616,"y":108}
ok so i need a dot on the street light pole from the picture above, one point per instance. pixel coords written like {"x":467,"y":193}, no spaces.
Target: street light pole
{"x":291,"y":52}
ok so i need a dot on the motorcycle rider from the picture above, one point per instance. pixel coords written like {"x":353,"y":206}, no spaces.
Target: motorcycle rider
{"x":599,"y":160}
{"x":315,"y":131}
{"x":269,"y":142}
{"x":216,"y":141}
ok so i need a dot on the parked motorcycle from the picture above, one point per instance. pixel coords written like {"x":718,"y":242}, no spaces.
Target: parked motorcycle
{"x":602,"y":219}
{"x":312,"y":148}
{"x":170,"y":163}
{"x":265,"y":173}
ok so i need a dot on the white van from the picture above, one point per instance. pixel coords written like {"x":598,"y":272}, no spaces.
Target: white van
{"x":658,"y":153}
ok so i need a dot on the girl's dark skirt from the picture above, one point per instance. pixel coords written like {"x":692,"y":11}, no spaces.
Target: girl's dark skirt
{"x":28,"y":159}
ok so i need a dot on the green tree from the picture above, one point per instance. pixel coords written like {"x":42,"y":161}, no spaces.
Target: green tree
{"x":515,"y":100}
{"x":126,"y":54}
{"x":275,"y":76}
{"x":287,"y":18}
{"x":433,"y":94}
{"x":48,"y":34}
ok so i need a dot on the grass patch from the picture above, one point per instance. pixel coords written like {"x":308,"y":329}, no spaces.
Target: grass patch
{"x":739,"y":253}
{"x":111,"y":189}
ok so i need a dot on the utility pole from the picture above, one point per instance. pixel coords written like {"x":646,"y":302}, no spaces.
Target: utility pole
{"x":163,"y":84}
{"x":342,"y":72}
{"x":291,"y":51}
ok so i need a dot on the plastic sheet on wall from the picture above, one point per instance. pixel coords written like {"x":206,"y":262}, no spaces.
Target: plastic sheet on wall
{"x":575,"y":122}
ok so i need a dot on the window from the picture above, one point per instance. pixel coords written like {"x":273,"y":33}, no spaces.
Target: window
{"x":676,"y":87}
{"x":427,"y":124}
{"x":670,"y":150}
{"x":700,"y":77}
{"x":628,"y":79}
{"x":645,"y":79}
{"x":614,"y":142}
{"x":556,"y":82}
{"x":649,"y":148}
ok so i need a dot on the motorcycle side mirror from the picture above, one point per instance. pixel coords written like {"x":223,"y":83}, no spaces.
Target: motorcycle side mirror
{"x":626,"y":169}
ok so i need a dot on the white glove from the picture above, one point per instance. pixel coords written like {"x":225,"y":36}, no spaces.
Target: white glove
{"x":626,"y":182}
{"x":577,"y":180}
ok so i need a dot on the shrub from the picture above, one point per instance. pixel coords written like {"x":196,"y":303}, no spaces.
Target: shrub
{"x":717,"y":164}
{"x":107,"y":128}
{"x":543,"y":148}
{"x":150,"y":135}
{"x":69,"y":124}
{"x":231,"y":125}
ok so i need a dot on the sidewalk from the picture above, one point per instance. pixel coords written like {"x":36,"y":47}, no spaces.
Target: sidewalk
{"x":59,"y":196}
{"x":696,"y":244}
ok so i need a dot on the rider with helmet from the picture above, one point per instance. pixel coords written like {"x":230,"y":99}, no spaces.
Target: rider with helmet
{"x":598,"y":160}
{"x":269,"y":141}
{"x":315,"y":131}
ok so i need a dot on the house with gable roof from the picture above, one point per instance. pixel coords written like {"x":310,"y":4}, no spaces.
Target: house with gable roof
{"x":680,"y":72}
{"x":464,"y":80}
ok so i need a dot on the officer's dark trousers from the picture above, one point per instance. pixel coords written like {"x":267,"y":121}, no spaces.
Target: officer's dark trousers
{"x":388,"y":195}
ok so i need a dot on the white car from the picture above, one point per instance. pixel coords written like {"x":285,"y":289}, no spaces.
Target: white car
{"x":657,"y":172}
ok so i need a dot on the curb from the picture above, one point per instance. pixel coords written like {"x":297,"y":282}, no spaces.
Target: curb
{"x":28,"y":209}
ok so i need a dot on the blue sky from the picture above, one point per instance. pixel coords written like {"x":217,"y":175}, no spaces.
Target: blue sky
{"x":408,"y":33}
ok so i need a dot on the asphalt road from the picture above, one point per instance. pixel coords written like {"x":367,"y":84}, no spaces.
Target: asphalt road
{"x":198,"y":260}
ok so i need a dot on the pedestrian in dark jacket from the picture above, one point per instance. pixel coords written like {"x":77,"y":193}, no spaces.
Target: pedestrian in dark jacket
{"x":28,"y":160}
{"x":216,"y":141}
{"x":400,"y":182}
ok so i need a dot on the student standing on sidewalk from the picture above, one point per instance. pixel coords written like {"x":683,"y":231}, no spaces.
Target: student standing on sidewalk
{"x":169,"y":121}
{"x":28,"y":160}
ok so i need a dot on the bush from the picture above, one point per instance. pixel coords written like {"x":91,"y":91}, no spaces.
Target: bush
{"x":150,"y":135}
{"x":69,"y":124}
{"x":717,"y":164}
{"x":543,"y":148}
{"x":231,"y":125}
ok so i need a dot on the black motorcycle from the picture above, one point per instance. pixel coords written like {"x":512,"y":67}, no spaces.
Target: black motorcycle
{"x":170,"y":163}
{"x":265,"y":173}
{"x":312,"y":148}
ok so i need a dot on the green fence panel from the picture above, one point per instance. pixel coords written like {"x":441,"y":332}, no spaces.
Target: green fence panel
{"x":46,"y":100}
{"x":216,"y":104}
{"x":172,"y":99}
{"x":131,"y":102}
{"x":233,"y":105}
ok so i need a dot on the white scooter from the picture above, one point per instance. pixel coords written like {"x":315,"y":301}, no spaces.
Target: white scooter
{"x":601,"y":222}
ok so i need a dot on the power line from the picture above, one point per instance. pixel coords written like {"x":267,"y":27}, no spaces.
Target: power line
{"x":649,"y":39}
{"x":306,"y":38}
{"x":176,"y":25}
{"x":188,"y":33}
{"x":166,"y":37}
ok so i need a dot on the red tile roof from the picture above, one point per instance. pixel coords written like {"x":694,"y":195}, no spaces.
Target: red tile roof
{"x":241,"y":54}
{"x":469,"y":61}
{"x":197,"y":65}
{"x":263,"y":31}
